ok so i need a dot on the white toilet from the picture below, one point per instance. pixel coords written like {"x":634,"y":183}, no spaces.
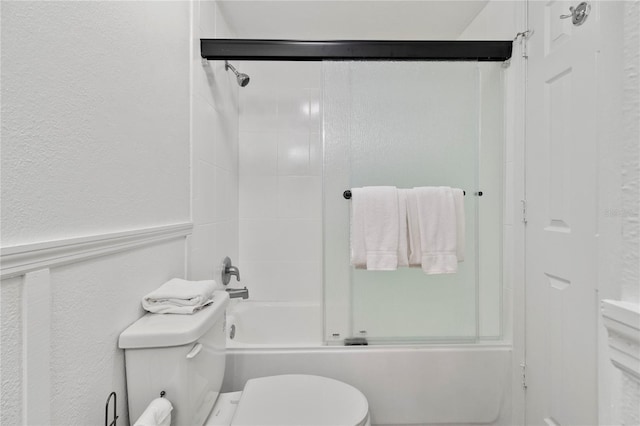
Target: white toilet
{"x":184,"y":356}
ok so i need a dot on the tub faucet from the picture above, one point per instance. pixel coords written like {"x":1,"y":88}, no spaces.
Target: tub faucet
{"x":235,"y":293}
{"x":227,"y":270}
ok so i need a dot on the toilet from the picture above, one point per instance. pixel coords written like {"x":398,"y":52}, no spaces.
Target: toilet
{"x":183,"y":358}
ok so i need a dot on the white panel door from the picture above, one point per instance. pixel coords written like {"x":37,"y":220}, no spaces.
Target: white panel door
{"x":561,"y":307}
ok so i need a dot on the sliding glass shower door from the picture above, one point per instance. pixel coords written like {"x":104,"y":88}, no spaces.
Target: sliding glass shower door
{"x":410,"y":124}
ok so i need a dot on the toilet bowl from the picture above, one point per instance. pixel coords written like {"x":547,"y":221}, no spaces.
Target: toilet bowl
{"x":184,"y":357}
{"x":296,"y":400}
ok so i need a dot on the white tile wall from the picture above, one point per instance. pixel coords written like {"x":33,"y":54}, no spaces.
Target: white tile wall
{"x":259,"y":240}
{"x":293,"y":109}
{"x":298,"y":197}
{"x":203,"y":196}
{"x":299,"y":240}
{"x":202,"y":245}
{"x":293,"y":152}
{"x":214,"y":151}
{"x":280,"y":192}
{"x":258,"y":197}
{"x":258,"y":151}
{"x":259,"y":107}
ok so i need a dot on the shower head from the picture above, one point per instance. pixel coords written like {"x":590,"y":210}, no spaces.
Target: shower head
{"x":242,"y":78}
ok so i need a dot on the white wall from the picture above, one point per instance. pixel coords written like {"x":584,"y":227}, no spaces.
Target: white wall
{"x":350,"y":20}
{"x":214,"y":141}
{"x":618,"y":192}
{"x":281,"y":181}
{"x":498,"y":20}
{"x":67,"y":381}
{"x":631,"y":165}
{"x":112,"y":129}
{"x":95,"y":114}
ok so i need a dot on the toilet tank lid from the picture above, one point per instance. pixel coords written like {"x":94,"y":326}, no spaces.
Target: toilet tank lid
{"x":163,"y":330}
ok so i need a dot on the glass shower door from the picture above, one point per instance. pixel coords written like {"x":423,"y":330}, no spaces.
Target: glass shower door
{"x":404,"y":124}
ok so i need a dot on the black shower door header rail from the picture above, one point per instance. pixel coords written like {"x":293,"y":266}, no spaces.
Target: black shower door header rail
{"x":345,"y":50}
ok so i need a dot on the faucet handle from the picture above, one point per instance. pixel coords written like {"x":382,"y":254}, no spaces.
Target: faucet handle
{"x":228,"y":270}
{"x":232,"y":270}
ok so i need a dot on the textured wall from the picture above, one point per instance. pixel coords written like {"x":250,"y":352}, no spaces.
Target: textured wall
{"x":95,"y":115}
{"x":610,"y":157}
{"x":92,"y":302}
{"x":618,"y":192}
{"x":11,"y":351}
{"x":95,"y":139}
{"x":630,"y":276}
{"x":631,"y":163}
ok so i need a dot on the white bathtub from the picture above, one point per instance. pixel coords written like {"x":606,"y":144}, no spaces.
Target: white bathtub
{"x":265,"y":324}
{"x":405,"y":384}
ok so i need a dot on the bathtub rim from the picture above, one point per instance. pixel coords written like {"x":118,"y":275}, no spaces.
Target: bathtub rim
{"x":466,"y":347}
{"x":345,"y":364}
{"x":237,"y":307}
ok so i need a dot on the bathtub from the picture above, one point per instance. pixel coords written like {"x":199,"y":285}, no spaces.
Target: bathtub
{"x":265,"y":324}
{"x":404,"y":384}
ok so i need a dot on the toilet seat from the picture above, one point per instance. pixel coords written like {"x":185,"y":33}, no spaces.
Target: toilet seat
{"x":300,"y":400}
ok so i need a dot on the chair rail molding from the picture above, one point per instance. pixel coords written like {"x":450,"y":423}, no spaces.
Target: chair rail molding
{"x":21,"y":259}
{"x":622,"y":320}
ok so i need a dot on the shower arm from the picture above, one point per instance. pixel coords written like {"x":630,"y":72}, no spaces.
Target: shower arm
{"x":228,"y":66}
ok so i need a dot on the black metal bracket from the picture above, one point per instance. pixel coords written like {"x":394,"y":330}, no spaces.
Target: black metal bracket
{"x":372,"y":50}
{"x":356,"y":341}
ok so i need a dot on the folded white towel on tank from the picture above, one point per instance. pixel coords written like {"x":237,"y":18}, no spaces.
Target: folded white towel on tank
{"x":178,"y":296}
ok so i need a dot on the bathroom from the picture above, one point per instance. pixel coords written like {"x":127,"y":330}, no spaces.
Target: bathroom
{"x":127,"y":160}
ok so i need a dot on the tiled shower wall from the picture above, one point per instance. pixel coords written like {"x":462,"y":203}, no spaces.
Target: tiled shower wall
{"x":214,"y":152}
{"x":280,"y":191}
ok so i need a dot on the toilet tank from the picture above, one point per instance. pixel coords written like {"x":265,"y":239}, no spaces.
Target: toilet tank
{"x":182,"y":355}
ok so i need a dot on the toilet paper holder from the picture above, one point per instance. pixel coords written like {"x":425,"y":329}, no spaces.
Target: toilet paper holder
{"x":112,"y":396}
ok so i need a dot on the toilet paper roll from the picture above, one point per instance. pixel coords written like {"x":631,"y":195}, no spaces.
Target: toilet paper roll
{"x":158,"y":413}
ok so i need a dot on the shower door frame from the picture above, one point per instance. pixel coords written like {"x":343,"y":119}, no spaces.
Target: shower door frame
{"x":335,"y":50}
{"x":357,"y":50}
{"x":340,"y":315}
